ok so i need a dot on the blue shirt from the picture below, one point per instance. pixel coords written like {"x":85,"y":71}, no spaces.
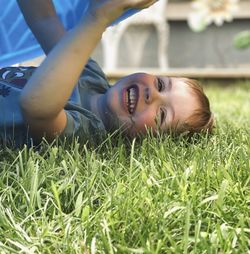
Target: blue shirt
{"x":81,"y":122}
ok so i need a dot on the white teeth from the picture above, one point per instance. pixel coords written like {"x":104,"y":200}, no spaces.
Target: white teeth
{"x":131,"y":99}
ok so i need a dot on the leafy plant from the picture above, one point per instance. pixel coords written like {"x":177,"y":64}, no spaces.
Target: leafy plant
{"x":242,"y":40}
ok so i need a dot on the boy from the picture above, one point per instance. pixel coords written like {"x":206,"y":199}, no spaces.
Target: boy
{"x":59,"y":99}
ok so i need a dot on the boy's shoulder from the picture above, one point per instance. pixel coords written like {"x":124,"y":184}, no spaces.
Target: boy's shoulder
{"x":92,"y":68}
{"x":93,"y":78}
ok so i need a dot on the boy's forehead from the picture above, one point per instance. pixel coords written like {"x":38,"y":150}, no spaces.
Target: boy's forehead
{"x":181,"y":87}
{"x":184,"y":102}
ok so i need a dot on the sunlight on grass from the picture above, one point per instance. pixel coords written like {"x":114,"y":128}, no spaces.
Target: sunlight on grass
{"x":157,"y":195}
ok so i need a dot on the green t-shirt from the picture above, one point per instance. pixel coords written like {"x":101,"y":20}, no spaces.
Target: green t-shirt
{"x":81,"y":122}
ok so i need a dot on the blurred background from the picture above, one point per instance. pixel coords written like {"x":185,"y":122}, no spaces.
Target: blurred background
{"x":203,"y":38}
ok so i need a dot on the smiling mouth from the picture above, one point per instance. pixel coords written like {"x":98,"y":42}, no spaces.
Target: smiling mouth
{"x":132,"y":95}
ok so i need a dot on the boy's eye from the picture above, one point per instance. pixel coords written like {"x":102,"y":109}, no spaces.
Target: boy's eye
{"x":162,"y":116}
{"x":161,"y":85}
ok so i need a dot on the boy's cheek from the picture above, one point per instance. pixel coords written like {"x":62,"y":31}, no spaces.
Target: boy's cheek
{"x":115,"y":101}
{"x":112,"y":100}
{"x":143,"y":120}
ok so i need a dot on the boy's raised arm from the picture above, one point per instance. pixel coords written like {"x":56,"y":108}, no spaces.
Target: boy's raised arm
{"x":46,"y":93}
{"x":41,"y":17}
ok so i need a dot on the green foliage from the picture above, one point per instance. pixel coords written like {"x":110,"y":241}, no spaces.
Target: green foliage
{"x":157,"y":195}
{"x":242,"y":40}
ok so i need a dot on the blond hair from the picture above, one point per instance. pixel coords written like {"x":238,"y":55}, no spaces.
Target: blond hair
{"x":202,"y":120}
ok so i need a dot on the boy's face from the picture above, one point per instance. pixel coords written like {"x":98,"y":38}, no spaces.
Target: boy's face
{"x":142,"y":101}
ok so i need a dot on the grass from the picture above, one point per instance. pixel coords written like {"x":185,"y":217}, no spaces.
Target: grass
{"x":158,"y":195}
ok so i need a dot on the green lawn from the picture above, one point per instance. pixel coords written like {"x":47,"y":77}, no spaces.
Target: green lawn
{"x":158,"y":195}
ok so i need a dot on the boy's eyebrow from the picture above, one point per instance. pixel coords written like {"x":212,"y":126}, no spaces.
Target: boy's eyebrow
{"x":172,"y":108}
{"x":170,"y":121}
{"x":167,"y":81}
{"x":173,"y":114}
{"x":170,"y":83}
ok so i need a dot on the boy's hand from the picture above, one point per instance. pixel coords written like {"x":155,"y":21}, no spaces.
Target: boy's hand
{"x":109,"y":10}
